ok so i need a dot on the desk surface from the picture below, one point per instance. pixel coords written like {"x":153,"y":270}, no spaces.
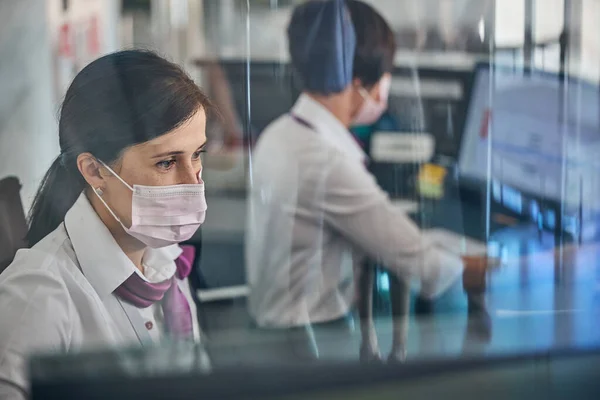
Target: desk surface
{"x":529,"y":310}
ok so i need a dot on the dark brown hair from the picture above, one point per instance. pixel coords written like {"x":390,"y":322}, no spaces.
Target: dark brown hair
{"x":375,"y":43}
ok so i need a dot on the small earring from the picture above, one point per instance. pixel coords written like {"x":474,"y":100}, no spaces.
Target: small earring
{"x":99,"y":191}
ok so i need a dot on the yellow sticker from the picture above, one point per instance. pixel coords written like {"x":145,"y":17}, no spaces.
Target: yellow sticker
{"x":431,"y":180}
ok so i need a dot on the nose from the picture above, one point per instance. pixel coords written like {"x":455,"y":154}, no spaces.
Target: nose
{"x":191,"y":175}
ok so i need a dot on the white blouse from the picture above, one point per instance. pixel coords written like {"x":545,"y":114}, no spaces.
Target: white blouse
{"x":58,"y":296}
{"x":313,"y":208}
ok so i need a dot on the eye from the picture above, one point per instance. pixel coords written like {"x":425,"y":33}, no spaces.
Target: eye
{"x":166,"y":164}
{"x":197,"y":154}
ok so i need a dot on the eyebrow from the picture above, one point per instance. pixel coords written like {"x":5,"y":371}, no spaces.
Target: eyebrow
{"x":176,"y":152}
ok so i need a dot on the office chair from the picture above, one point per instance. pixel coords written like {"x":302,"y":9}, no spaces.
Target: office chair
{"x":13,"y":224}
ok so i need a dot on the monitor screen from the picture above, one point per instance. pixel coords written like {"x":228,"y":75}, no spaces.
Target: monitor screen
{"x":534,"y":133}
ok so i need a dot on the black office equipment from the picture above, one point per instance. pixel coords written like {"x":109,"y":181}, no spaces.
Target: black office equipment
{"x":425,"y":98}
{"x":433,"y":99}
{"x":13,"y":225}
{"x":555,"y":374}
{"x":262,"y":90}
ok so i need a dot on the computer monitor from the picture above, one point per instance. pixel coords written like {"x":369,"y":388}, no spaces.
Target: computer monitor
{"x":533,"y":133}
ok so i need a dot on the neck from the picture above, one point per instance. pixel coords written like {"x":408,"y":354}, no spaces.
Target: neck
{"x":339,"y":104}
{"x":133,"y":248}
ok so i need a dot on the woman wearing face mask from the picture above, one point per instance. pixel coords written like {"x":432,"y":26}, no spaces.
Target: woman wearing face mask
{"x":313,"y":204}
{"x":105,"y":268}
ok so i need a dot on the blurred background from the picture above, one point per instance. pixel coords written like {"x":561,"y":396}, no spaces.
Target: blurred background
{"x":45,"y":42}
{"x":526,"y":72}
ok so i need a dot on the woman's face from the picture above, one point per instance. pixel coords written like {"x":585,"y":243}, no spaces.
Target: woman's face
{"x":171,"y":159}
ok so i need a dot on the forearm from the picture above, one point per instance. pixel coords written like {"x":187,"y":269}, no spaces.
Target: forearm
{"x":360,"y":211}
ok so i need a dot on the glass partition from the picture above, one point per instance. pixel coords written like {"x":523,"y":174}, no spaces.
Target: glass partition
{"x":440,"y":204}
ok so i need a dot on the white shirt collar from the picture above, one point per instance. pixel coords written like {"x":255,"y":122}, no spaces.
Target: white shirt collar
{"x":102,"y":261}
{"x":329,"y":126}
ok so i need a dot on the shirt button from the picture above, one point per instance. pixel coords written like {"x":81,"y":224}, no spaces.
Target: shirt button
{"x":149,"y":325}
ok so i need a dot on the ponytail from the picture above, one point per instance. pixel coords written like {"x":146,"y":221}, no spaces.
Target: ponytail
{"x":57,"y":193}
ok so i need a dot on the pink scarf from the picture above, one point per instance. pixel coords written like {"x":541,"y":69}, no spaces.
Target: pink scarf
{"x":177,"y":312}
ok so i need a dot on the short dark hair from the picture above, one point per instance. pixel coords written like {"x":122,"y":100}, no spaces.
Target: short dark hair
{"x":375,"y":43}
{"x":116,"y":102}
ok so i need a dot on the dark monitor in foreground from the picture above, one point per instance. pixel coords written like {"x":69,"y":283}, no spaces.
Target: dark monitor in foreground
{"x":554,"y":375}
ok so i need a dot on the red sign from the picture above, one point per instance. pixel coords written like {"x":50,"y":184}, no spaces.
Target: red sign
{"x":65,"y":45}
{"x":93,"y":39}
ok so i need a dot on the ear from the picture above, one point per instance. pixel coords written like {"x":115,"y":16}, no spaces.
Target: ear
{"x":375,"y":92}
{"x":356,"y":83}
{"x":358,"y":92}
{"x":91,"y":170}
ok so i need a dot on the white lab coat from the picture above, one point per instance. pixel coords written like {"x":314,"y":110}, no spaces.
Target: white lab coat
{"x":58,"y":296}
{"x":313,"y":205}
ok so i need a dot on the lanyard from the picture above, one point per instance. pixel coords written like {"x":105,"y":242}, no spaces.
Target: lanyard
{"x":303,"y":122}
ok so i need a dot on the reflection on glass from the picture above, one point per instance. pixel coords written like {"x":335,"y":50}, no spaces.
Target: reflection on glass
{"x":349,"y":182}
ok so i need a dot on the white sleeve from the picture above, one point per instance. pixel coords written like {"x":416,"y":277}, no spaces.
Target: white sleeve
{"x":8,"y":391}
{"x":356,"y":207}
{"x":34,"y":310}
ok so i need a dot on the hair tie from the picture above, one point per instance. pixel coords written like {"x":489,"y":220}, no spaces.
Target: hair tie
{"x":62,"y":159}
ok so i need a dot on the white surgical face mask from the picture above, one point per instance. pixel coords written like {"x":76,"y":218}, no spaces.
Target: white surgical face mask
{"x":371,"y":110}
{"x":163,"y":215}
